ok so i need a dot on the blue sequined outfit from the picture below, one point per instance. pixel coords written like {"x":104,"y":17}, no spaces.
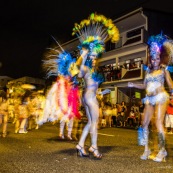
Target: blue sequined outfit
{"x":155,"y":92}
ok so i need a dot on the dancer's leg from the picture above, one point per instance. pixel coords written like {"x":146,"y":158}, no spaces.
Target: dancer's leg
{"x":93,"y":108}
{"x":94,"y":112}
{"x":17,"y":125}
{"x":148,"y":112}
{"x":62,"y":125}
{"x":22,"y":126}
{"x":69,"y":128}
{"x":80,"y":146}
{"x":86,"y":128}
{"x":160,"y":114}
{"x":1,"y":117}
{"x":4,"y":127}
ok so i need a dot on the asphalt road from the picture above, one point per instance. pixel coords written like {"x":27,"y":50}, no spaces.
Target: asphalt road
{"x":41,"y":151}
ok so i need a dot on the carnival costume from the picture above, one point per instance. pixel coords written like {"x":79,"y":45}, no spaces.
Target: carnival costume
{"x":62,"y":99}
{"x":155,"y":91}
{"x":154,"y":81}
{"x":93,"y":33}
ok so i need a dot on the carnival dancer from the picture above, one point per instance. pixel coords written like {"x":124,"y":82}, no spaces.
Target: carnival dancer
{"x":156,"y":100}
{"x":62,"y":99}
{"x":69,"y":125}
{"x":23,"y":114}
{"x":72,"y":113}
{"x":92,"y":33}
{"x":36,"y":105}
{"x":4,"y":116}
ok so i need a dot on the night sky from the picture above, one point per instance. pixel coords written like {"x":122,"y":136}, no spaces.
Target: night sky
{"x":26,"y":28}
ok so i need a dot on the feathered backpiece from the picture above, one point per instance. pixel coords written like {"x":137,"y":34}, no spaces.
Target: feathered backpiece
{"x":58,"y":62}
{"x":95,"y":31}
{"x":168,"y":45}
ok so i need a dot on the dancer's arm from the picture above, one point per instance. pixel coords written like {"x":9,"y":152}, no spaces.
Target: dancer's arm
{"x":169,"y":80}
{"x":139,"y":86}
{"x":81,"y":62}
{"x":106,"y":91}
{"x":75,"y":67}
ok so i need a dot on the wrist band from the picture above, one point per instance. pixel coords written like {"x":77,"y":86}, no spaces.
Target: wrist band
{"x":166,"y":68}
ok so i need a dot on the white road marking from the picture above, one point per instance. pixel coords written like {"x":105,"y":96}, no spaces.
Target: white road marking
{"x":103,"y":134}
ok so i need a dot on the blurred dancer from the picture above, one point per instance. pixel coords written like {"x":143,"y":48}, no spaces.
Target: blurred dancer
{"x":23,"y":114}
{"x":4,"y":116}
{"x":68,"y":123}
{"x":63,"y":98}
{"x":157,"y":98}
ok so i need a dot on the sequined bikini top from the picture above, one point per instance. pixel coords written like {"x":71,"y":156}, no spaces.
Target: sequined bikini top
{"x":155,"y":76}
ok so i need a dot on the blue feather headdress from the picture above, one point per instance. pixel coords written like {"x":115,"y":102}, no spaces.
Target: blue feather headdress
{"x":162,"y":43}
{"x":155,"y":43}
{"x":58,"y":62}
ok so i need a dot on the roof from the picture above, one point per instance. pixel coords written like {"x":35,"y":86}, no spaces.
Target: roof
{"x":5,"y":77}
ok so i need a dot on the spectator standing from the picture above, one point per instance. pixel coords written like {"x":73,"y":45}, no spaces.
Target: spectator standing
{"x":137,"y":114}
{"x":122,"y":116}
{"x":114,"y":115}
{"x":131,"y":119}
{"x":169,"y":115}
{"x":135,"y":108}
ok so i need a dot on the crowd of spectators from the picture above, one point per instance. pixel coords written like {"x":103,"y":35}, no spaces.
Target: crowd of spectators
{"x":121,"y":115}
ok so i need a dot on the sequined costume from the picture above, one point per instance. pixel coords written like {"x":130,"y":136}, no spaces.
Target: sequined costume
{"x":155,"y":92}
{"x":156,"y":100}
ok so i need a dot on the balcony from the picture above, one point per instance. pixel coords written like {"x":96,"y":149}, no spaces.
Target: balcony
{"x":120,"y":77}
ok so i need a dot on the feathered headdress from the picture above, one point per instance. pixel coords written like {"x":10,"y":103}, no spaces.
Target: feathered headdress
{"x":59,"y":65}
{"x":157,"y":43}
{"x":95,"y":31}
{"x":59,"y":62}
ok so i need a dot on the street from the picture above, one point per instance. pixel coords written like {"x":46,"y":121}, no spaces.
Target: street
{"x":41,"y":151}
